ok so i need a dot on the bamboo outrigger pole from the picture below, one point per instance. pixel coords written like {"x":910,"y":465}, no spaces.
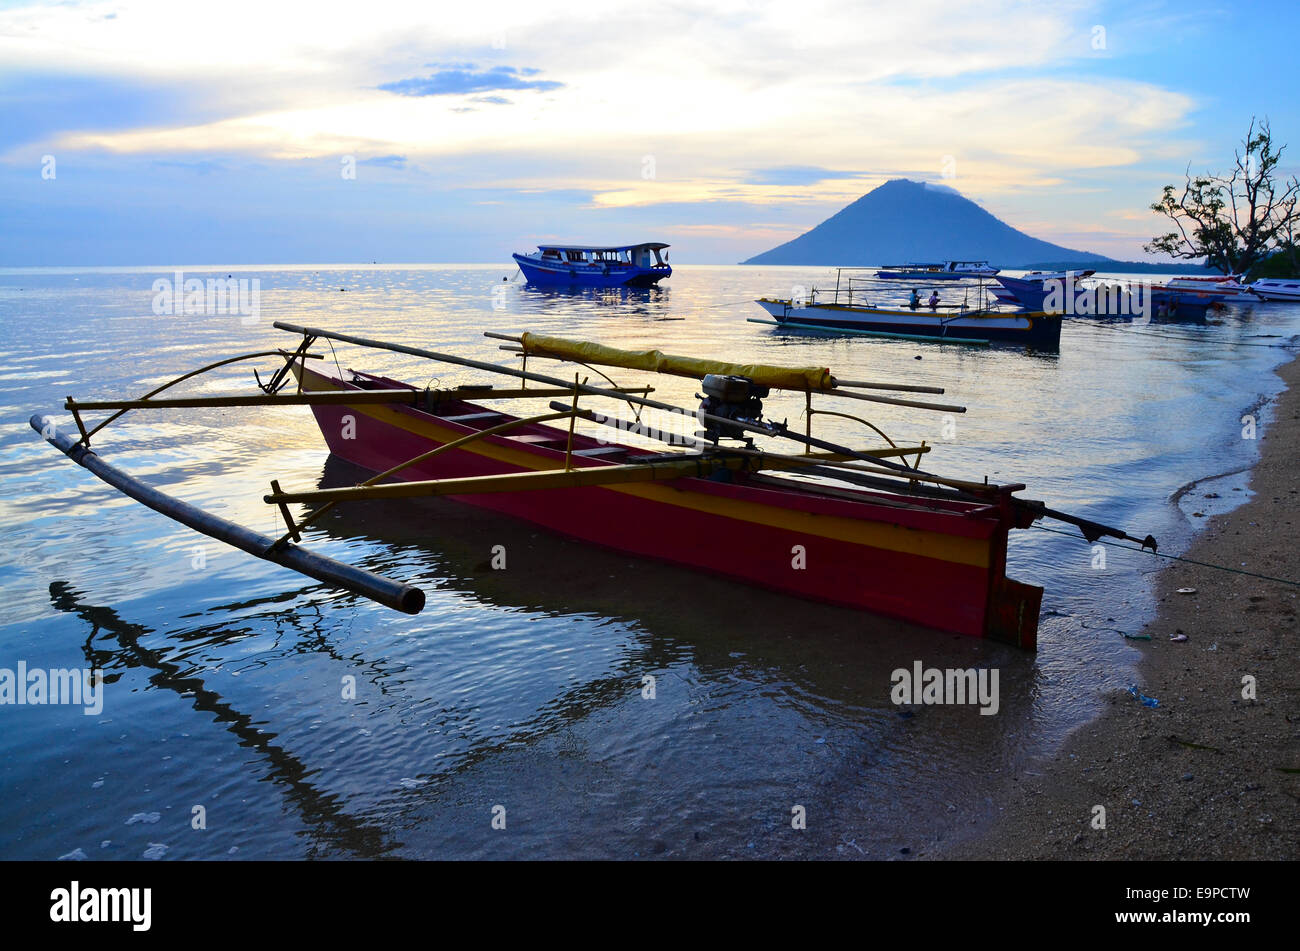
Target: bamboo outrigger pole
{"x":412,"y":397}
{"x":393,"y":594}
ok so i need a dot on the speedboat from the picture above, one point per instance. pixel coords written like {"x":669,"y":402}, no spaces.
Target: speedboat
{"x":1276,"y":289}
{"x":629,"y":265}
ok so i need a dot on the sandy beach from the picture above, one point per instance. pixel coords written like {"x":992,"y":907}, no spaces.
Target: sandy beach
{"x":1210,"y":773}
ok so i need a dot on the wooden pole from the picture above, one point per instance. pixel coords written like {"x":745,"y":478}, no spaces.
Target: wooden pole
{"x":568,"y":446}
{"x":542,"y":479}
{"x":905,"y":387}
{"x":252,"y":399}
{"x":893,"y":401}
{"x":808,"y":415}
{"x":323,"y":398}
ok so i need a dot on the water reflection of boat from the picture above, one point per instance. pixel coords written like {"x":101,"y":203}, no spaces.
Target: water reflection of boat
{"x":331,"y":825}
{"x":573,"y":302}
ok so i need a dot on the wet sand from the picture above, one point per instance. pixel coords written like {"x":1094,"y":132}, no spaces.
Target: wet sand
{"x":1209,"y":773}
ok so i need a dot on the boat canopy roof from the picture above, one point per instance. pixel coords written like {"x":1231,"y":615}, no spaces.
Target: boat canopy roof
{"x":941,"y":264}
{"x":652,"y":245}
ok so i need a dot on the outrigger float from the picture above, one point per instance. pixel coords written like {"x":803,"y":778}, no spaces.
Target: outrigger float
{"x":875,"y":532}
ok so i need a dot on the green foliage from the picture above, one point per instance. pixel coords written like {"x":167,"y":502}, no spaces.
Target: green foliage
{"x":1282,"y":264}
{"x":1235,"y":222}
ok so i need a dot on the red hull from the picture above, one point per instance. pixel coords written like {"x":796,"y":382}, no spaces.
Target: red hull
{"x":941,"y":565}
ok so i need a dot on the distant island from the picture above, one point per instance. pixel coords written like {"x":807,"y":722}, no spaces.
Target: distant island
{"x":903,"y":221}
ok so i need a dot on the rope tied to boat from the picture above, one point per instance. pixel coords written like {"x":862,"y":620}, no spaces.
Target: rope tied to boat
{"x":1190,"y":561}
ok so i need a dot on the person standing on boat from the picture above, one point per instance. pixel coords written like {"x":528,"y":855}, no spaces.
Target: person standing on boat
{"x":915,"y":300}
{"x":933,"y":302}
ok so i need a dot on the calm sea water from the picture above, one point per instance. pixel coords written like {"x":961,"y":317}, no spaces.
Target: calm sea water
{"x":523,"y":688}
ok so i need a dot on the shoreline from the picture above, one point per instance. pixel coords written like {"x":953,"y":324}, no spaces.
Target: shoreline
{"x":1206,"y":774}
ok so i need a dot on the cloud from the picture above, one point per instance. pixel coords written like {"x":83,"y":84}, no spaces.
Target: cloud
{"x":35,"y":105}
{"x":385,"y":161}
{"x":455,"y":79}
{"x":796,"y":175}
{"x":763,"y":116}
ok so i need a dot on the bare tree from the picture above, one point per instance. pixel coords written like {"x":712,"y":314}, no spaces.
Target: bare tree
{"x":1232,"y":221}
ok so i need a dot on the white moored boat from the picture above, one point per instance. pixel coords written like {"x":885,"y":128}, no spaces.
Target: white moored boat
{"x":1276,"y":289}
{"x":1229,"y":286}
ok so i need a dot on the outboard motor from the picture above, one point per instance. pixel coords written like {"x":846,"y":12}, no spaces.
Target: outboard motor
{"x":731,"y":397}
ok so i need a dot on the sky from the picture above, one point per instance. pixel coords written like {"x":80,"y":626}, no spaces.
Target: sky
{"x":150,"y":132}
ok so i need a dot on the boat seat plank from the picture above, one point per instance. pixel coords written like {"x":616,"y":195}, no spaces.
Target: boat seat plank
{"x":600,"y":451}
{"x":470,"y":417}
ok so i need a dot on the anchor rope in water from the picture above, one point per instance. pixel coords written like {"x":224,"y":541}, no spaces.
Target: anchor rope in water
{"x":725,"y":303}
{"x":1160,"y":554}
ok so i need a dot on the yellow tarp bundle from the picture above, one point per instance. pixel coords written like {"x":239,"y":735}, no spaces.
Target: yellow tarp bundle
{"x":786,"y":378}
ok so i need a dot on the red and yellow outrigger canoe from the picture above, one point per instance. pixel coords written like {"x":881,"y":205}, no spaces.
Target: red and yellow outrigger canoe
{"x":873,"y":531}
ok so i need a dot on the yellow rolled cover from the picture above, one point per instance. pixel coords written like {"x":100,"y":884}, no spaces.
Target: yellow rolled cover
{"x":581,"y":351}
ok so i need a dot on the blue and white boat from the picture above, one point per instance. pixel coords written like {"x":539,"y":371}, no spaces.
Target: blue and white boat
{"x":947,"y":271}
{"x":571,"y":265}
